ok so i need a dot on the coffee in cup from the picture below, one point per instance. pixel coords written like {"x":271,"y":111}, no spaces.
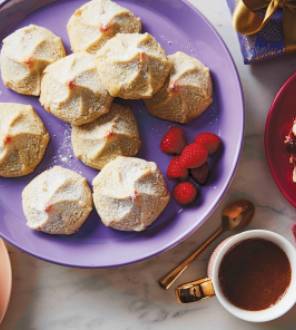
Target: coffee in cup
{"x":253,"y":275}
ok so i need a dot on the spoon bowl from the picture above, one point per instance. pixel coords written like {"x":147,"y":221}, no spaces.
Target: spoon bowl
{"x":237,"y":215}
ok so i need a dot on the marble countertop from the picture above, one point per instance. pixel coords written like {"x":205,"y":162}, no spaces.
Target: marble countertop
{"x":51,"y":297}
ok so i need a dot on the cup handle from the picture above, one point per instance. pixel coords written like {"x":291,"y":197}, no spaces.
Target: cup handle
{"x":195,"y":290}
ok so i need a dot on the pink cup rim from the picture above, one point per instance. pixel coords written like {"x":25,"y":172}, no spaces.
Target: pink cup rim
{"x":7,"y":279}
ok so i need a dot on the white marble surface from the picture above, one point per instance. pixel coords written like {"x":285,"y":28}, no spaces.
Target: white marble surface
{"x":50,"y":297}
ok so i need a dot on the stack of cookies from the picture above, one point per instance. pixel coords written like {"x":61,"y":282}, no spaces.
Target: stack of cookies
{"x":111,"y":59}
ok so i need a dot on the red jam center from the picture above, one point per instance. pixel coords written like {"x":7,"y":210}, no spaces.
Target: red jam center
{"x":174,"y":88}
{"x":104,"y":28}
{"x":135,"y":196}
{"x":48,"y":209}
{"x":71,"y":84}
{"x":142,"y":57}
{"x":29,"y":63}
{"x":110,"y":135}
{"x":8,"y":139}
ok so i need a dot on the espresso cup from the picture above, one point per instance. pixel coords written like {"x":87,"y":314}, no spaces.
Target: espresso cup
{"x":211,"y":285}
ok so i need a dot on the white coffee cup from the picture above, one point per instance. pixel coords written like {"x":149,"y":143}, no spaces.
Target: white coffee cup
{"x":202,"y":288}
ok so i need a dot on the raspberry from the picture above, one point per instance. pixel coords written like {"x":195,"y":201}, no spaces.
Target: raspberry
{"x":210,"y":141}
{"x":185,"y":193}
{"x":175,"y":170}
{"x":173,"y":141}
{"x":193,"y":155}
{"x":200,"y":174}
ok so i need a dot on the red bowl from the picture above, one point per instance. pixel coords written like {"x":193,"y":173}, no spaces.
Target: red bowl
{"x":278,"y":123}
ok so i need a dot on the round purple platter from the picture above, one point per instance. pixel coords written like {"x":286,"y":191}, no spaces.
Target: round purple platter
{"x":177,"y":25}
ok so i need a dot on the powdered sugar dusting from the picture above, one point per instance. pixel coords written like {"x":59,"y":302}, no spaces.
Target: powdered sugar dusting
{"x":165,"y":40}
{"x":64,"y":153}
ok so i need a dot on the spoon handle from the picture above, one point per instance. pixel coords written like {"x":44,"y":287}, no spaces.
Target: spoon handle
{"x":167,"y":280}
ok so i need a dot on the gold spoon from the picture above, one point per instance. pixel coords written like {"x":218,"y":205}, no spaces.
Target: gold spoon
{"x":234,"y":217}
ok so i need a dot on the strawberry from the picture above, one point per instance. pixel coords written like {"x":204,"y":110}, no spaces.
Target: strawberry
{"x":193,"y":156}
{"x":210,"y":141}
{"x":173,"y":141}
{"x":175,"y":170}
{"x":185,"y":193}
{"x":200,"y":174}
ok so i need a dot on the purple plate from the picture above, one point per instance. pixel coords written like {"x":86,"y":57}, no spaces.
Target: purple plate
{"x":177,"y":26}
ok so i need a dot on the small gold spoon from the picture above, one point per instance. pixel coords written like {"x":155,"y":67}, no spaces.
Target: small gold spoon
{"x":234,"y":217}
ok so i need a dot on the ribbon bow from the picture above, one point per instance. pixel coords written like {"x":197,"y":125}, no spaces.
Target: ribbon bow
{"x":248,"y":18}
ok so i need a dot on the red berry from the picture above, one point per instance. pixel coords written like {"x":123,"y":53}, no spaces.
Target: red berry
{"x":210,"y":141}
{"x":185,"y":193}
{"x":175,"y":169}
{"x":29,"y":63}
{"x":193,"y":156}
{"x":173,"y":141}
{"x":200,"y":174}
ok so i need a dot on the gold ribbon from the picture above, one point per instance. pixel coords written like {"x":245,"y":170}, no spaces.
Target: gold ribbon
{"x":248,"y":19}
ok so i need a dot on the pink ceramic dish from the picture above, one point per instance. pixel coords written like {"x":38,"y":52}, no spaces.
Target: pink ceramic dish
{"x":278,"y":124}
{"x":5,"y":280}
